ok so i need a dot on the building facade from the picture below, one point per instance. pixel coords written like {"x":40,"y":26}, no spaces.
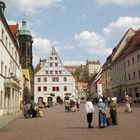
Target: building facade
{"x":92,"y":67}
{"x":132,"y":63}
{"x":118,"y":81}
{"x":106,"y":78}
{"x":9,"y":68}
{"x":53,"y":81}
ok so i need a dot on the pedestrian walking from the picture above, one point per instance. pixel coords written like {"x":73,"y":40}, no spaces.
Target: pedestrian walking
{"x":89,"y":111}
{"x":67,"y":104}
{"x":72,"y":105}
{"x":102,"y":114}
{"x":78,"y":104}
{"x":127,"y":104}
{"x":113,"y":111}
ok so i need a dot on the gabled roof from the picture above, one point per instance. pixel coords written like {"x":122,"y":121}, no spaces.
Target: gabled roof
{"x":53,"y":65}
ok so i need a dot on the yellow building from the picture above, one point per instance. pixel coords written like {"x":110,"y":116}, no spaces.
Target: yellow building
{"x":26,"y":89}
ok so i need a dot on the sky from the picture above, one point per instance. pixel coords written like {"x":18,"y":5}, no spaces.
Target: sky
{"x":78,"y":29}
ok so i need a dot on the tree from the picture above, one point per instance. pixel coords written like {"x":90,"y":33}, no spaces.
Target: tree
{"x":78,"y":73}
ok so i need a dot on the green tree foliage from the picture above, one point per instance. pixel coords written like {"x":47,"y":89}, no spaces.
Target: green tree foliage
{"x":78,"y":73}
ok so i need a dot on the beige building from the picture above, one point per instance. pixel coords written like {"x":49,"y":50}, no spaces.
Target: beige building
{"x":106,"y":77}
{"x":92,"y":67}
{"x":132,"y":63}
{"x":118,"y":66}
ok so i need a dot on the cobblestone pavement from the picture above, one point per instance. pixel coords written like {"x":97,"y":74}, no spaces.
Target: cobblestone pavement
{"x":56,"y":124}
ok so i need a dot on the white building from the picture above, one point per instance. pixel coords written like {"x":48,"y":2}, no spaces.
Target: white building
{"x":53,"y":81}
{"x":9,"y":68}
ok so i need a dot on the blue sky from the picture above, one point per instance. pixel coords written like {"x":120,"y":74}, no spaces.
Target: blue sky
{"x":78,"y":29}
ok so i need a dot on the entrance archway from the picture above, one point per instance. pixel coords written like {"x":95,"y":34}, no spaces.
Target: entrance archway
{"x":58,"y":99}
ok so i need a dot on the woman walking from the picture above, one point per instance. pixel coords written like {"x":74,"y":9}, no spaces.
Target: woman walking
{"x":127,"y":104}
{"x":102,"y":114}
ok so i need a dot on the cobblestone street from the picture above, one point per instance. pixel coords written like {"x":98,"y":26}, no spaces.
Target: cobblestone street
{"x":60,"y":125}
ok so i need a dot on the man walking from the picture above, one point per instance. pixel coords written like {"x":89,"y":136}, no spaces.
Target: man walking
{"x":89,"y":111}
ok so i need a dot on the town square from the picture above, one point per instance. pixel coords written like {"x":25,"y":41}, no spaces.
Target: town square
{"x":69,"y":70}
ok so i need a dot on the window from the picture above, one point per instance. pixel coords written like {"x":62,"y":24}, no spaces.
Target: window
{"x":12,"y":51}
{"x":138,"y":57}
{"x":50,"y":64}
{"x":1,"y":99}
{"x":55,"y":79}
{"x":56,"y":64}
{"x":65,"y":88}
{"x":129,"y":76}
{"x":2,"y":67}
{"x":55,"y":88}
{"x":15,"y":56}
{"x":2,"y":35}
{"x":9,"y":46}
{"x":65,"y":79}
{"x":60,"y":72}
{"x":27,"y":63}
{"x":6,"y":41}
{"x":45,"y":88}
{"x":46,"y":72}
{"x":139,"y":73}
{"x":51,"y":72}
{"x":55,"y":58}
{"x":5,"y":71}
{"x":56,"y":72}
{"x":50,"y":58}
{"x":136,"y":92}
{"x":134,"y":75}
{"x":45,"y":79}
{"x":128,"y":62}
{"x":39,"y":79}
{"x":39,"y":88}
{"x":22,"y":61}
{"x":133,"y":60}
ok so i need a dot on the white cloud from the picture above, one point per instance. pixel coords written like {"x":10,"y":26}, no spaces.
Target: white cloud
{"x":35,"y":60}
{"x":124,"y":3}
{"x":11,"y":22}
{"x":92,"y":43}
{"x":32,"y":6}
{"x":122,"y":24}
{"x":42,"y":46}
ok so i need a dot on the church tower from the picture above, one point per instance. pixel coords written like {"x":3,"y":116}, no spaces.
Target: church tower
{"x":25,"y":50}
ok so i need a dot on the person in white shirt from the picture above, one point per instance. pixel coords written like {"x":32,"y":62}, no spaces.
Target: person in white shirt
{"x":89,"y":111}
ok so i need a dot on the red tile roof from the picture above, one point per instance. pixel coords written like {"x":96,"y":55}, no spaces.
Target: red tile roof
{"x":14,"y":29}
{"x":132,"y":45}
{"x":72,"y":67}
